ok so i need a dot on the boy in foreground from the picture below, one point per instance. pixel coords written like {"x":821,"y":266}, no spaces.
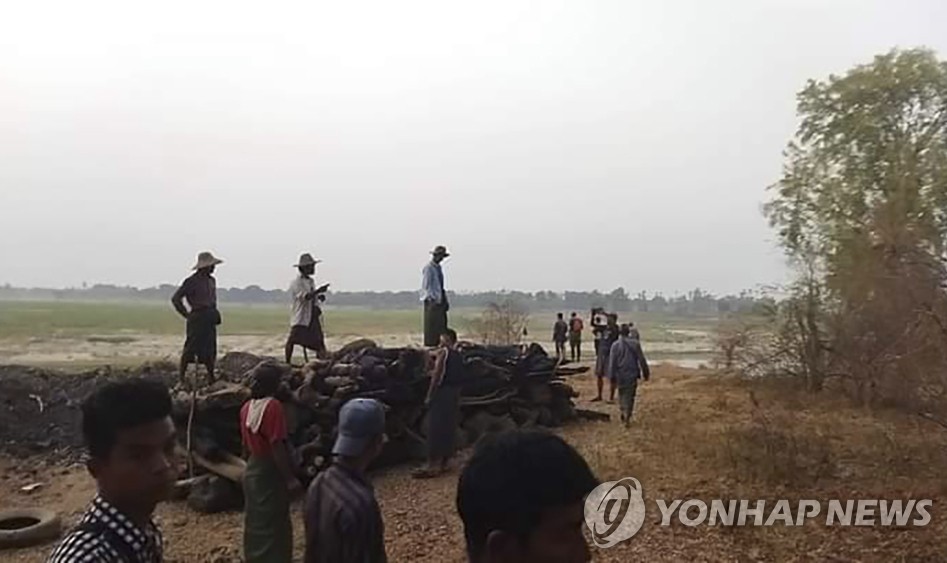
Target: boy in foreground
{"x":131,"y":441}
{"x":521,"y":498}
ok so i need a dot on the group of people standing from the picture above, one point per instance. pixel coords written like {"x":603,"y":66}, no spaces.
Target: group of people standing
{"x":202,"y":317}
{"x":570,"y":332}
{"x":520,"y":496}
{"x":196,"y":301}
{"x":619,"y":357}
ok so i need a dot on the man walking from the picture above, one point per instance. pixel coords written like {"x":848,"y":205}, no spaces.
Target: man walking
{"x":626,"y":363}
{"x":200,"y":291}
{"x":343,"y":521}
{"x":434,"y":297}
{"x":560,"y":331}
{"x":609,"y":335}
{"x":131,"y":443}
{"x":306,"y":320}
{"x":575,"y":336}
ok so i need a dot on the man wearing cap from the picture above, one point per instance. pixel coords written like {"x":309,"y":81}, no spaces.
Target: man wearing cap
{"x":200,"y":291}
{"x":434,"y":297}
{"x":343,"y":521}
{"x":306,"y":319}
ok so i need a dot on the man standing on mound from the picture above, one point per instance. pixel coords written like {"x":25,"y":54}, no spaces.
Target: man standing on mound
{"x":434,"y":297}
{"x":200,"y":291}
{"x":306,"y":319}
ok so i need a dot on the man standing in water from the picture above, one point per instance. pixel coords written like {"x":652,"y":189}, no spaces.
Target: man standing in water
{"x":434,"y":297}
{"x":200,"y":291}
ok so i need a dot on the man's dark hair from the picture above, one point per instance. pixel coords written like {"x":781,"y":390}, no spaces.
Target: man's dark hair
{"x":265,"y":379}
{"x":559,"y":315}
{"x":451,"y":334}
{"x":512,"y":479}
{"x":119,"y":405}
{"x":573,"y":313}
{"x":625,"y":330}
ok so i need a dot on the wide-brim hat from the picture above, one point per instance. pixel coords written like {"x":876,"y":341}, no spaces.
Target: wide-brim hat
{"x":306,"y":259}
{"x":440,"y":250}
{"x":206,"y":260}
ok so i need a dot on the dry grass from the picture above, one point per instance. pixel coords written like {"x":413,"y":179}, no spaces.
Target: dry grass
{"x":695,"y":436}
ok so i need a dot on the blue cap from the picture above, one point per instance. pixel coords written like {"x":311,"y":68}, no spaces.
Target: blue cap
{"x":361,"y":421}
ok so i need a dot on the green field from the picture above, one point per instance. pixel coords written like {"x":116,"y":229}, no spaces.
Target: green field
{"x":28,"y":319}
{"x":89,"y":333}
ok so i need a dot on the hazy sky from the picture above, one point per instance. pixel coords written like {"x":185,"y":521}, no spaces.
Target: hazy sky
{"x":550,"y":144}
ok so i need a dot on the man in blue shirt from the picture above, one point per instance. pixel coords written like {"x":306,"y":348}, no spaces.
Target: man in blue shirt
{"x":626,"y":364}
{"x":434,"y":297}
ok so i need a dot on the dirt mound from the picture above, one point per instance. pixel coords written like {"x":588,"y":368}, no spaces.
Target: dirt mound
{"x":40,"y":409}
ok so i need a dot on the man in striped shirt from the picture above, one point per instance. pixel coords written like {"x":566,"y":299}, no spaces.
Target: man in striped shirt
{"x":343,"y":521}
{"x":131,"y":441}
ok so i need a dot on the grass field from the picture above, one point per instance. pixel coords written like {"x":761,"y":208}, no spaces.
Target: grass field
{"x":86,"y":333}
{"x":24,"y":319}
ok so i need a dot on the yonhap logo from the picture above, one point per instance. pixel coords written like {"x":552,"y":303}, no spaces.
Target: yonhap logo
{"x":614,"y":511}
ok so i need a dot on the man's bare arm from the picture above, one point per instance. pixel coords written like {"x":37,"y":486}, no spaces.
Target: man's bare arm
{"x":440,"y":366}
{"x":178,"y":301}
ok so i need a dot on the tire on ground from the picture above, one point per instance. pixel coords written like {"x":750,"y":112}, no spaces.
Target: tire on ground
{"x":22,"y":527}
{"x":214,"y":495}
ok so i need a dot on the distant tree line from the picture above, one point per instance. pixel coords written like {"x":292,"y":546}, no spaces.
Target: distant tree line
{"x":696,"y":302}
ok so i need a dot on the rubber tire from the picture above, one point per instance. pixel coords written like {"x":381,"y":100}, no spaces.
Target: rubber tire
{"x":47,"y":527}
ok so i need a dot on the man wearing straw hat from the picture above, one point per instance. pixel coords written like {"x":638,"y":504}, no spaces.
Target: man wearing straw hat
{"x":306,"y":319}
{"x":200,"y":291}
{"x":434,"y":297}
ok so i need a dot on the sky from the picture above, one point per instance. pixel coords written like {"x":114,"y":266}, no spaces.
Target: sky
{"x":562,"y":144}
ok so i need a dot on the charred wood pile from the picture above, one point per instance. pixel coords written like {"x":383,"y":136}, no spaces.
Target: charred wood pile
{"x":503,"y":388}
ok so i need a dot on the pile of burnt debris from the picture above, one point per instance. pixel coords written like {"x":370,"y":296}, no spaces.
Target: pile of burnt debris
{"x":502,"y":388}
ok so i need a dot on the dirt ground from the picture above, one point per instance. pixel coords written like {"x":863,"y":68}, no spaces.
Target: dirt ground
{"x":696,"y":435}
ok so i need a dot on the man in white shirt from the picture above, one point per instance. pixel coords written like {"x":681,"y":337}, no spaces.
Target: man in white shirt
{"x":305,"y":320}
{"x":434,"y":297}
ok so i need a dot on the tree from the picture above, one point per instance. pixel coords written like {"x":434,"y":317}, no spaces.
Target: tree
{"x":861,"y":210}
{"x":869,"y":162}
{"x":618,"y":300}
{"x":502,"y":323}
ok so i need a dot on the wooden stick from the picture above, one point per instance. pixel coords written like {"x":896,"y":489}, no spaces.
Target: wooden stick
{"x":190,"y":426}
